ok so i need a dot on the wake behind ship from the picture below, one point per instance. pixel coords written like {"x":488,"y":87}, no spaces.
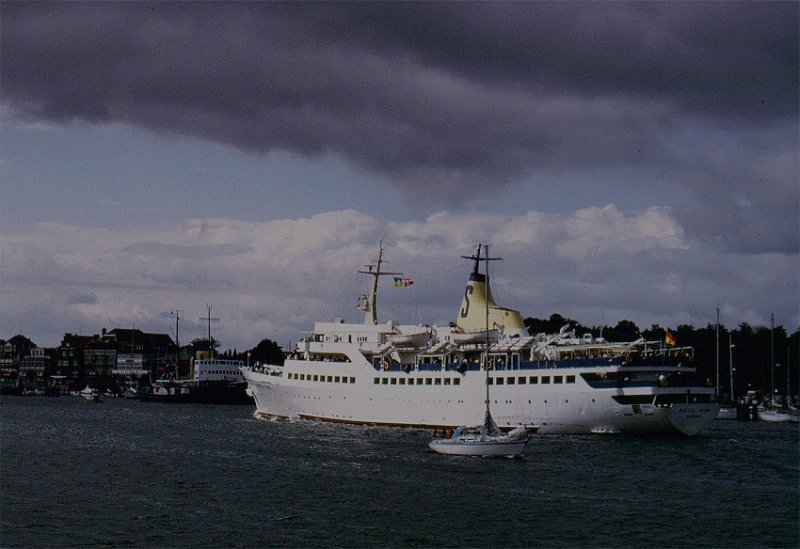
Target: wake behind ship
{"x":431,"y":376}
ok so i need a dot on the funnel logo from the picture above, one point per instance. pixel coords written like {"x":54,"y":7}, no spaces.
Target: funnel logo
{"x":465,"y":310}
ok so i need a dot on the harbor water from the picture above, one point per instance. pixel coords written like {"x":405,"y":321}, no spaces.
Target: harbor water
{"x":125,"y":473}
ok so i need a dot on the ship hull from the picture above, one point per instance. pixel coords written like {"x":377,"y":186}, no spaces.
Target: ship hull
{"x":441,"y":402}
{"x":203,"y":393}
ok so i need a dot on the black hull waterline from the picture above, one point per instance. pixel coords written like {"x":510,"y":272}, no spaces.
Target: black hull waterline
{"x":203,"y":393}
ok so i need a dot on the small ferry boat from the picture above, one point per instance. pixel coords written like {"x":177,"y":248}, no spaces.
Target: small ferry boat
{"x":565,"y":383}
{"x":212,"y":381}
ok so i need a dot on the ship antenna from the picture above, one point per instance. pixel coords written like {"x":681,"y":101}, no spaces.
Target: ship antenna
{"x":476,"y":258}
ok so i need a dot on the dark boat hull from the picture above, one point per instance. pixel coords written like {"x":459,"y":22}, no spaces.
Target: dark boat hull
{"x":208,"y":392}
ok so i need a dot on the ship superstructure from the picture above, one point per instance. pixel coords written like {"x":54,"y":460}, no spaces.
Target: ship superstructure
{"x":432,"y":376}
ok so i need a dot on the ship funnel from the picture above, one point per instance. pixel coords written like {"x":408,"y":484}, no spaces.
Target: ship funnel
{"x":477,"y":299}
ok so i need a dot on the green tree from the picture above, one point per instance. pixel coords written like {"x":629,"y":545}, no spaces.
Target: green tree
{"x":267,"y":352}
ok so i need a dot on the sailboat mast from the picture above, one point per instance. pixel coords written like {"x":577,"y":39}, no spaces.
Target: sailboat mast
{"x":772,"y":357}
{"x":486,"y":356}
{"x":716,"y":387}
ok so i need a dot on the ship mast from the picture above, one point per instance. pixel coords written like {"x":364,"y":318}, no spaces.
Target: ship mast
{"x":177,"y":313}
{"x":209,"y":319}
{"x":369,"y":302}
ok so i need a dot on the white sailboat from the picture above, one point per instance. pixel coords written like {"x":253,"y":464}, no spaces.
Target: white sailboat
{"x":772,"y":415}
{"x":486,"y":440}
{"x":90,"y":394}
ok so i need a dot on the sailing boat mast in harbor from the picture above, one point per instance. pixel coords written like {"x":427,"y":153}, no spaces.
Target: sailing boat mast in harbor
{"x":486,"y":440}
{"x":488,"y":422}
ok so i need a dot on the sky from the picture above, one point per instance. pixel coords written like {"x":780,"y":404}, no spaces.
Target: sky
{"x":627,"y":160}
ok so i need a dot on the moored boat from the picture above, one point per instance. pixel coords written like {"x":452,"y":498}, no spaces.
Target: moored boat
{"x":91,"y":395}
{"x":212,"y":381}
{"x":773,"y":416}
{"x":727,"y":412}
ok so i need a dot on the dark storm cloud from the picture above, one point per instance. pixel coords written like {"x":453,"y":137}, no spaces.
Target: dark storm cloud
{"x":432,"y":95}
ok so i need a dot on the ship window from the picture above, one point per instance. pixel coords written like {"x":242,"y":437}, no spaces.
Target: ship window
{"x":545,"y":379}
{"x":570,"y":379}
{"x":558,"y":379}
{"x":385,"y":381}
{"x":330,"y":379}
{"x":437,"y":381}
{"x":419,"y":381}
{"x":302,"y":377}
{"x":491,"y":381}
{"x":337,"y":379}
{"x":402,"y":381}
{"x":316,"y":377}
{"x":456,"y":381}
{"x":352,"y":380}
{"x":376,"y":380}
{"x":522,"y":380}
{"x":499,"y":381}
{"x":510,"y":380}
{"x":534,"y":380}
{"x":447,"y":381}
{"x":428,"y":381}
{"x":394,"y":381}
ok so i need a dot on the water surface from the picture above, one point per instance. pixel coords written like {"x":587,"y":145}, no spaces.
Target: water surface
{"x":139,"y":474}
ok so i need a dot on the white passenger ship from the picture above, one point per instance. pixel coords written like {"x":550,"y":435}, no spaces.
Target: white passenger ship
{"x":430,"y":376}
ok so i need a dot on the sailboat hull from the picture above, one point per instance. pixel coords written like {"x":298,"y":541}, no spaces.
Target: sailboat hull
{"x":494,"y":448}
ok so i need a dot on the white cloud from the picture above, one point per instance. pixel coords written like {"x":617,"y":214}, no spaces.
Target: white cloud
{"x":275,"y":278}
{"x":596,"y":232}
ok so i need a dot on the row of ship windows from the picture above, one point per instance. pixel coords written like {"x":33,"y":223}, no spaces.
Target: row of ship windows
{"x":420,"y":381}
{"x":516,"y":380}
{"x":532,"y":380}
{"x":223,"y":372}
{"x":511,"y":380}
{"x":322,"y":379}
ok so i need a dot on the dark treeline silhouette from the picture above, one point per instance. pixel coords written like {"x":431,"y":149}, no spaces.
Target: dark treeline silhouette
{"x":266,"y":352}
{"x":754,"y":350}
